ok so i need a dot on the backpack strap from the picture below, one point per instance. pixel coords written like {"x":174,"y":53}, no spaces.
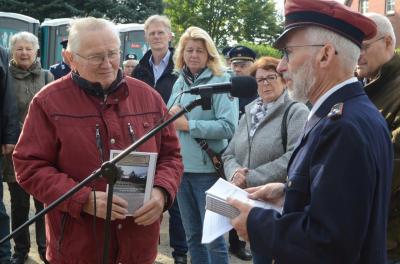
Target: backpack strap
{"x":284,"y":126}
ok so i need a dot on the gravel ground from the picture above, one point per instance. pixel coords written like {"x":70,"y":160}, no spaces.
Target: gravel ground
{"x":164,"y":251}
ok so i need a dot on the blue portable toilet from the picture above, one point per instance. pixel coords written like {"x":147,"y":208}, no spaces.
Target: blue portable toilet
{"x":132,"y":40}
{"x":11,"y":23}
{"x":53,"y":31}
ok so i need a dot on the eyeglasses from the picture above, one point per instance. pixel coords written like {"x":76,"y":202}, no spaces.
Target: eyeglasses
{"x":364,"y":47}
{"x":98,"y":59}
{"x":268,"y":79}
{"x":286,"y":50}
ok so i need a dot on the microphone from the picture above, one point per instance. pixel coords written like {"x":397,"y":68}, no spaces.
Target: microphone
{"x":239,"y":86}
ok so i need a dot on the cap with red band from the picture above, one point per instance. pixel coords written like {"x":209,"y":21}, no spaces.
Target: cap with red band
{"x":328,"y":14}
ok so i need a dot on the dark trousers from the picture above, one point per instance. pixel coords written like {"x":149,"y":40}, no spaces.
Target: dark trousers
{"x":260,"y":259}
{"x":19,"y":215}
{"x":5,"y":248}
{"x":177,"y":237}
{"x":234,"y":242}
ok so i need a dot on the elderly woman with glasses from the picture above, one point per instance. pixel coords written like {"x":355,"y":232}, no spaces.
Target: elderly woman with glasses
{"x":27,"y":78}
{"x":261,"y":147}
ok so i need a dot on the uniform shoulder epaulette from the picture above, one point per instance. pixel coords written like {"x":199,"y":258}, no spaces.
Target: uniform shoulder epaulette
{"x":336,"y":111}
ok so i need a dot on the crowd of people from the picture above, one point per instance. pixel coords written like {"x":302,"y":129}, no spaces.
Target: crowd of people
{"x":320,"y":138}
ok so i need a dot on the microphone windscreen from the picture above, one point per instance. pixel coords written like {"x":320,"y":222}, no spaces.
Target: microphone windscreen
{"x":243,"y":86}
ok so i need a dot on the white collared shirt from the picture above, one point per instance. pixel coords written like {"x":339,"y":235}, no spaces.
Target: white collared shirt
{"x":325,"y":96}
{"x":159,"y":69}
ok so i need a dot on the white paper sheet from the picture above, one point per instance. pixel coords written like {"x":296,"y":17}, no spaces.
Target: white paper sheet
{"x":214,"y":225}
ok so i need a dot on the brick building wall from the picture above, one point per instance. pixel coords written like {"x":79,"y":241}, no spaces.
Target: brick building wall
{"x":379,"y":6}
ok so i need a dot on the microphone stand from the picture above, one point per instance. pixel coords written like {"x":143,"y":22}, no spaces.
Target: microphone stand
{"x":111,"y":172}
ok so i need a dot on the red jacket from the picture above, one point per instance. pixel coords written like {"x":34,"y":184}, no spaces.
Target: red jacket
{"x":58,"y":148}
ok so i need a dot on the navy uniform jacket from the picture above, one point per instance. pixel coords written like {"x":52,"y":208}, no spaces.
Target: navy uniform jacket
{"x":59,"y":70}
{"x":338,"y":189}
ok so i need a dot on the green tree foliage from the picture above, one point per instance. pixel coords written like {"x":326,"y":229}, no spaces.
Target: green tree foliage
{"x":262,"y":49}
{"x":226,"y":21}
{"x":121,"y":11}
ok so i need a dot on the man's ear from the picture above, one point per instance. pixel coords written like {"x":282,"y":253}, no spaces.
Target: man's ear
{"x":170,"y":35}
{"x":388,"y":41}
{"x":65,"y":57}
{"x":326,"y":55}
{"x":69,"y":58}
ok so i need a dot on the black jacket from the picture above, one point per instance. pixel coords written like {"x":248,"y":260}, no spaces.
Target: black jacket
{"x":144,"y":72}
{"x":8,"y":104}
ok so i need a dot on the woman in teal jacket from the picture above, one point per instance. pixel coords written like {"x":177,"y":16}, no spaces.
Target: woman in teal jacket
{"x":198,"y":62}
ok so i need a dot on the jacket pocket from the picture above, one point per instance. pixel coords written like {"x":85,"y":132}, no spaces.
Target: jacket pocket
{"x":297,"y":192}
{"x":64,"y":120}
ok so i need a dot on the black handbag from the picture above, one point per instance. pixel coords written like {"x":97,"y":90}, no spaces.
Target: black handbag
{"x":214,"y":157}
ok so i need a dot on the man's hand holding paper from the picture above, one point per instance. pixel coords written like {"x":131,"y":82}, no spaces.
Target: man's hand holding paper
{"x":272,"y":193}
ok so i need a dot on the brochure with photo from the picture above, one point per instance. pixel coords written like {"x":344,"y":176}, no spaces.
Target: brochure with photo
{"x":137,"y":178}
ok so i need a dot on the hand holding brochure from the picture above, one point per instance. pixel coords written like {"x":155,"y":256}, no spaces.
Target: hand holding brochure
{"x":219,"y":212}
{"x":137,"y":178}
{"x":216,"y":199}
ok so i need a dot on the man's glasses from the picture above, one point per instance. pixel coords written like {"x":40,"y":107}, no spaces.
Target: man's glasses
{"x":267,"y":79}
{"x":364,"y":47}
{"x":98,"y":59}
{"x":286,"y":50}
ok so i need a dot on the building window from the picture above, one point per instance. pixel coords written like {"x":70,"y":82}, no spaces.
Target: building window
{"x":363,"y":6}
{"x":389,"y":6}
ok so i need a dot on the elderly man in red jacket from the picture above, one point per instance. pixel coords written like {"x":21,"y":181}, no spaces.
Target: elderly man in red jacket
{"x":71,"y":127}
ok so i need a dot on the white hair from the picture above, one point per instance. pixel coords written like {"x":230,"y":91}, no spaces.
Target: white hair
{"x":347,"y":50}
{"x":80,"y":26}
{"x":135,"y":62}
{"x":157,"y":19}
{"x":24,"y":36}
{"x":383,"y":25}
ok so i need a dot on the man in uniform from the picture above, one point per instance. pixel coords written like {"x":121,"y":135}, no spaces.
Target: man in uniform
{"x":379,"y":66}
{"x":60,"y":69}
{"x":129,"y":64}
{"x":242,"y":59}
{"x":225,"y":52}
{"x":336,"y":199}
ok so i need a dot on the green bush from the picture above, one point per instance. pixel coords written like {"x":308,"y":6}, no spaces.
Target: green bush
{"x":263,"y":50}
